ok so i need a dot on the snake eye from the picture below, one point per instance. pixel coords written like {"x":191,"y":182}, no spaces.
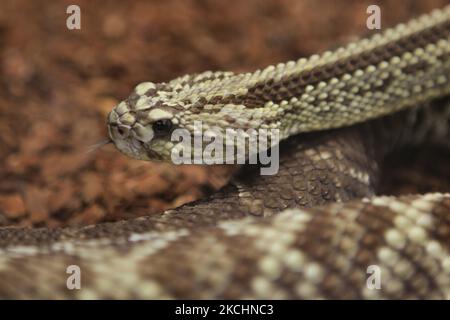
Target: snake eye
{"x":162,"y":126}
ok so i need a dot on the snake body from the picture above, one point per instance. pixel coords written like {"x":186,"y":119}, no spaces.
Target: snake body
{"x":310,"y":231}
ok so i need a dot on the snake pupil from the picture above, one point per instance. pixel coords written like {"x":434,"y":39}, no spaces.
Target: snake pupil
{"x":162,"y":126}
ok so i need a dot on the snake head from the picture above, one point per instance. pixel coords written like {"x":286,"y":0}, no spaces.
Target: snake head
{"x":141,"y":126}
{"x":145,"y":125}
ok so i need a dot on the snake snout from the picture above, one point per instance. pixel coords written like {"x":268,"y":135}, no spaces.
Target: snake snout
{"x":117,"y":129}
{"x":121,"y":131}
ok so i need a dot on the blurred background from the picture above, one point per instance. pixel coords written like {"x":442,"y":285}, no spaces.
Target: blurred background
{"x":57,"y":86}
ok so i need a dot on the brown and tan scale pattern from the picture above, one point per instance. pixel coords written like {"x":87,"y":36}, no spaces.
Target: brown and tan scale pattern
{"x":310,"y":253}
{"x":399,"y":68}
{"x":229,"y":246}
{"x":310,"y":231}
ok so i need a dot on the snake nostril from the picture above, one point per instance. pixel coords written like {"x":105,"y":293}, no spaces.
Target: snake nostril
{"x":121,"y":131}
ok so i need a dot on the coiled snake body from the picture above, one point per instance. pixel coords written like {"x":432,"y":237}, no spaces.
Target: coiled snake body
{"x":310,"y":231}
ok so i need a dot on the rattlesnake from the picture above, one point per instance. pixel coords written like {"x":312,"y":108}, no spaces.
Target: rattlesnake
{"x":310,"y":231}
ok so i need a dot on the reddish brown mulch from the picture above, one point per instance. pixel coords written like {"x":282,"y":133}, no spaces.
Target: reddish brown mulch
{"x":56,"y":87}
